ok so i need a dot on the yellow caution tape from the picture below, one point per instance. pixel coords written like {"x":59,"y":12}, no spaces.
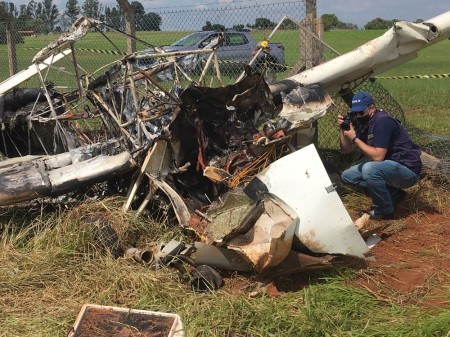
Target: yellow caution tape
{"x":98,"y":51}
{"x":407,"y":77}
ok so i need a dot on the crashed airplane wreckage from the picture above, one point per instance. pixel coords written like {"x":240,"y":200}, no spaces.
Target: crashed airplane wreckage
{"x":236,"y":163}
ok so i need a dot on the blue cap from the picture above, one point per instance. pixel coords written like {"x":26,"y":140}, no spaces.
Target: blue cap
{"x":361,"y":101}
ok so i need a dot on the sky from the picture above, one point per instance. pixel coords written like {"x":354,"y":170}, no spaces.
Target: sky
{"x":358,"y":12}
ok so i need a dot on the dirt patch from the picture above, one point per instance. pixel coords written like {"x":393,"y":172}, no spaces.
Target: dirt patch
{"x":411,"y":260}
{"x":102,"y":322}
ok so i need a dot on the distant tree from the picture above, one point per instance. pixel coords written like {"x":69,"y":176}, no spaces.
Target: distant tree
{"x":379,"y":23}
{"x":288,"y":24}
{"x":72,"y":10}
{"x":330,"y":21}
{"x":39,"y":26}
{"x":152,"y":21}
{"x":346,"y":25}
{"x":207,"y":26}
{"x":139,"y":14}
{"x":419,"y":21}
{"x":23,"y":11}
{"x":39,"y":11}
{"x":8,"y":9}
{"x":31,"y":9}
{"x":114,"y":17}
{"x":263,"y":23}
{"x":107,"y":13}
{"x":214,"y":27}
{"x":217,"y":27}
{"x":64,"y":23}
{"x":50,"y":14}
{"x":239,"y":28}
{"x":91,"y":9}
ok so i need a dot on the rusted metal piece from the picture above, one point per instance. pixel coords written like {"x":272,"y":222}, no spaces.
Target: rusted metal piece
{"x":140,"y":255}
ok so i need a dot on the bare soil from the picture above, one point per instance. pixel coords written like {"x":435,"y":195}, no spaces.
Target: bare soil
{"x":106,"y":322}
{"x":411,"y":261}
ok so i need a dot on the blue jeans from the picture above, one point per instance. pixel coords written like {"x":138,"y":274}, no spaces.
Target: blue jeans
{"x":384,"y":180}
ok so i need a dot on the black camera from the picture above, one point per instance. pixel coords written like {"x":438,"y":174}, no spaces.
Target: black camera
{"x":350,"y":117}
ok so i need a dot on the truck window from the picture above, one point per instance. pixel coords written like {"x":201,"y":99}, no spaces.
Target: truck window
{"x":208,"y":40}
{"x":234,"y":39}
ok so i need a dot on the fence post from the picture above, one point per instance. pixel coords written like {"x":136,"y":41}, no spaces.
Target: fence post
{"x":12,"y":59}
{"x":307,"y":52}
{"x":319,"y":31}
{"x":309,"y":55}
{"x":129,"y":24}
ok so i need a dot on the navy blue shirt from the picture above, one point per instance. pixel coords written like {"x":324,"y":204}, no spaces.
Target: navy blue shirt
{"x":389,"y":133}
{"x":383,"y":132}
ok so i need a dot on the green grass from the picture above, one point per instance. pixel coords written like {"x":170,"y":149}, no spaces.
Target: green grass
{"x":51,"y":264}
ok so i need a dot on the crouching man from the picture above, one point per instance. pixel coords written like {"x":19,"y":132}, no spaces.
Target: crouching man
{"x":392,"y":160}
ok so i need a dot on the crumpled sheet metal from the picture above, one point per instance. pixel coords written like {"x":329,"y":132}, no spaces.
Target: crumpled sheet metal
{"x":297,"y":262}
{"x":398,"y":45}
{"x":305,"y":104}
{"x":301,"y":181}
{"x":220,"y":257}
{"x":269,"y":240}
{"x":228,"y":216}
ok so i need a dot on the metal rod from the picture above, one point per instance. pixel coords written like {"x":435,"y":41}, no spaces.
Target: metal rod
{"x":260,"y":49}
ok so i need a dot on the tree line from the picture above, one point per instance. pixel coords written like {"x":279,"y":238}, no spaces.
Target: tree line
{"x":331,"y":22}
{"x":42,"y":17}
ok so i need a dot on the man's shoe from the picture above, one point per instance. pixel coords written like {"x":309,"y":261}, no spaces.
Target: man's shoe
{"x":376,"y":215}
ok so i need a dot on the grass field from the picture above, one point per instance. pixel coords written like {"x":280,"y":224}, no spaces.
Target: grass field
{"x":53,"y":263}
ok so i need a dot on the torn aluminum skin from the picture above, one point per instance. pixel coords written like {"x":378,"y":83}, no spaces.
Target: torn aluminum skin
{"x":301,"y":181}
{"x":269,"y":240}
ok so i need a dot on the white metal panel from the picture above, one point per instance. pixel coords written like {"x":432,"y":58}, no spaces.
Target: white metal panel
{"x":300,"y":180}
{"x":32,"y":70}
